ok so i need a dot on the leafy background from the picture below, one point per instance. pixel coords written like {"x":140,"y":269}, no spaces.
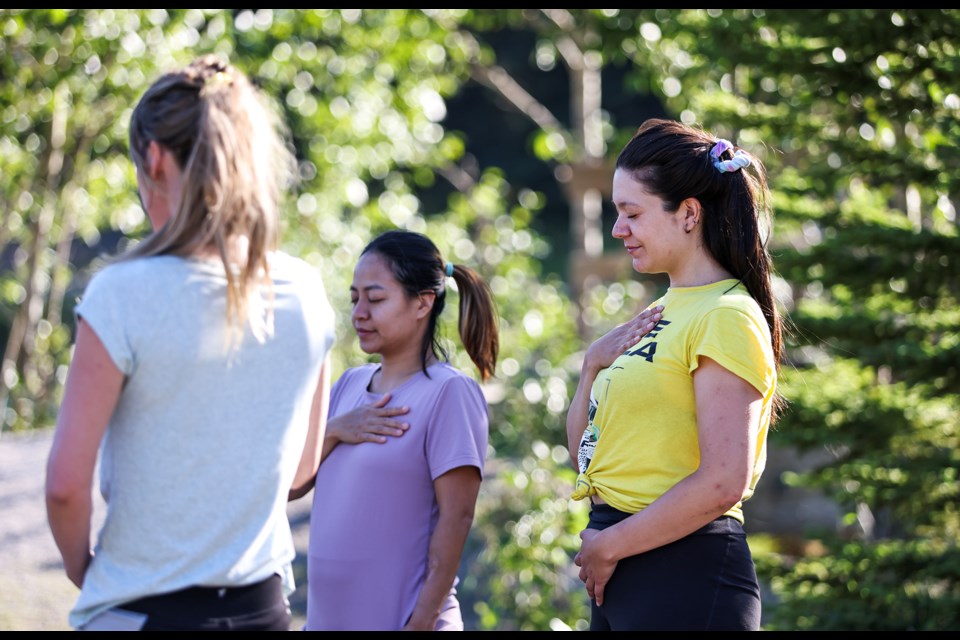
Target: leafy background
{"x":492,"y":131}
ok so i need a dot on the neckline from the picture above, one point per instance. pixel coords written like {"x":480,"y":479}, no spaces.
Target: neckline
{"x":730,"y":282}
{"x":378,"y":367}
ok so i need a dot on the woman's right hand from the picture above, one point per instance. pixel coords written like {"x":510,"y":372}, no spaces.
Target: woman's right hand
{"x":599,"y":356}
{"x":369,"y":423}
{"x":613,"y":344}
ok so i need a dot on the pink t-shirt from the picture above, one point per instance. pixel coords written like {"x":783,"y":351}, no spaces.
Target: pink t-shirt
{"x":374,"y":506}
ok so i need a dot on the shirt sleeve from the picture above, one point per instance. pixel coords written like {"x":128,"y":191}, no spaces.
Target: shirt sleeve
{"x":740,"y":343}
{"x":102,"y":307}
{"x":458,"y":431}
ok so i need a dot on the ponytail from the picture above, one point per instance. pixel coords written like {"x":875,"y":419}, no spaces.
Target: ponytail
{"x":675,"y":161}
{"x":478,"y":320}
{"x":229,"y":141}
{"x":415,"y":262}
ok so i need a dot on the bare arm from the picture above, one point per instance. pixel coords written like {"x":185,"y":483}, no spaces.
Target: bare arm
{"x":367,"y":423}
{"x":599,"y":356}
{"x":457,"y":492}
{"x":90,"y":396}
{"x":728,"y":414}
{"x":580,"y":408}
{"x":310,"y":458}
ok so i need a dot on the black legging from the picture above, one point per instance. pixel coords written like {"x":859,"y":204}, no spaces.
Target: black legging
{"x":703,"y":582}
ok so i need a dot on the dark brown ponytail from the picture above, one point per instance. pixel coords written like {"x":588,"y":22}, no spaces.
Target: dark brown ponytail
{"x":674,"y":162}
{"x":478,"y":320}
{"x":417,"y":265}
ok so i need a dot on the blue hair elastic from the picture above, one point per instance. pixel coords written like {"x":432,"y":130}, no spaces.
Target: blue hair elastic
{"x":739,"y":161}
{"x":449,"y":269}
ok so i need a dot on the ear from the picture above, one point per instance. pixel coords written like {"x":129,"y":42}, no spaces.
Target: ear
{"x":425,"y":300}
{"x":691,"y":213}
{"x":154,"y":160}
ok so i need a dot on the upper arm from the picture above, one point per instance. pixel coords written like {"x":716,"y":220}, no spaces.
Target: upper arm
{"x":312,"y":454}
{"x":90,"y":396}
{"x":457,"y":490}
{"x":728,"y":418}
{"x":320,"y":406}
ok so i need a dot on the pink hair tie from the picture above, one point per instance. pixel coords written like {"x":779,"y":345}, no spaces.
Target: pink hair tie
{"x":739,"y":161}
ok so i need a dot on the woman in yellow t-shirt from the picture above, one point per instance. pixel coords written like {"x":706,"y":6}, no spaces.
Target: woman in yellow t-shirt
{"x":669,"y":430}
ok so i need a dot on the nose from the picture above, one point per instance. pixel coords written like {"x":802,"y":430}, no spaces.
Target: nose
{"x":359,"y":311}
{"x":620,"y":229}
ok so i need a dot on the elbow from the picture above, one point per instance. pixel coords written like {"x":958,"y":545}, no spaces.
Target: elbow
{"x":461,"y":517}
{"x":60,"y":494}
{"x":301,"y":486}
{"x":727,"y":497}
{"x":66,"y":480}
{"x":727,"y":492}
{"x":465,"y":516}
{"x":727,"y":501}
{"x":298,"y":491}
{"x":65,"y":485}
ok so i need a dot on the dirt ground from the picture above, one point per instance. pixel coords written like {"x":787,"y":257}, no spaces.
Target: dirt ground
{"x":35,"y":594}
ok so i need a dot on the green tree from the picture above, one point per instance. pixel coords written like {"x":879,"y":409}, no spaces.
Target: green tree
{"x":855,"y":113}
{"x":367,"y":99}
{"x":69,"y":80}
{"x":364,"y":93}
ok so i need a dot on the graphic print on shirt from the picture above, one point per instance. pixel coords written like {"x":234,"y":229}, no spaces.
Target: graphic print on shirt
{"x":588,"y":442}
{"x":649,"y":348}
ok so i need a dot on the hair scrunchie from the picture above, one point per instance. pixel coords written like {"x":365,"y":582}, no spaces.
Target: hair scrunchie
{"x":739,"y":161}
{"x":449,"y":269}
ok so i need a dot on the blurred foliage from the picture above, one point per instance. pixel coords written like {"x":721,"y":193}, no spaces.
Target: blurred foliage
{"x":364,"y":95}
{"x":855,"y":114}
{"x":520,"y":571}
{"x":853,"y":111}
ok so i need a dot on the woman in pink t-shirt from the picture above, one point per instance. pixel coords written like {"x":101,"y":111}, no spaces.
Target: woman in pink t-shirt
{"x":391,"y":514}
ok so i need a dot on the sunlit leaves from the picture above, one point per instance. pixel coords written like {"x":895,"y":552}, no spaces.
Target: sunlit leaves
{"x":863,"y":127}
{"x":854,"y":112}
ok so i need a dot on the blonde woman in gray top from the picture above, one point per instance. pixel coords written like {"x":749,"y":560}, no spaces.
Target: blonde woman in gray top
{"x":200,"y":376}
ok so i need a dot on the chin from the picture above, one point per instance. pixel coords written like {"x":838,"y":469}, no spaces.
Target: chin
{"x":367,"y":346}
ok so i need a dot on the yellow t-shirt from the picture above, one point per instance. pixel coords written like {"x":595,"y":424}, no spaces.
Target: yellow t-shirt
{"x":641,"y":437}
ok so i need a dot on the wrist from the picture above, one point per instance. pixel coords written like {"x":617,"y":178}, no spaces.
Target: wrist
{"x":420,"y":622}
{"x":332,"y":433}
{"x":77,"y":570}
{"x":610,"y":541}
{"x":589,"y":370}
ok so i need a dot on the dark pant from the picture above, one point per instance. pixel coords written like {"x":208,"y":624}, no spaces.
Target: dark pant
{"x":257,"y":607}
{"x":705,"y":581}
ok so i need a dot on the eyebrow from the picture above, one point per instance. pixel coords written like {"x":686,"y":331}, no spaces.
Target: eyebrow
{"x":627,"y":202}
{"x":368,"y":288}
